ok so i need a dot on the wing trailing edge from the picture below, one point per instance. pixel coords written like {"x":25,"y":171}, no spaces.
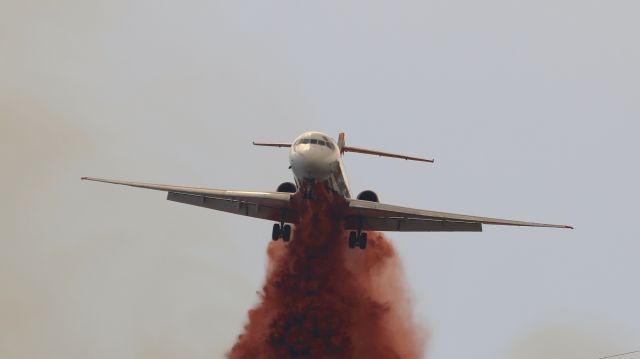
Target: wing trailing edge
{"x":384,"y":217}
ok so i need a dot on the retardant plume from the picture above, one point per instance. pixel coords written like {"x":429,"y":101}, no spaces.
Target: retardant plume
{"x":324,"y":300}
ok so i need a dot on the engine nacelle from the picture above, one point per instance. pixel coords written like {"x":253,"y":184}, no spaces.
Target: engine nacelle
{"x":287,"y":187}
{"x":368,"y":195}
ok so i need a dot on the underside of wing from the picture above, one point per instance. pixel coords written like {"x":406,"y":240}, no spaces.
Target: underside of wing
{"x":272,"y":206}
{"x":383,"y":217}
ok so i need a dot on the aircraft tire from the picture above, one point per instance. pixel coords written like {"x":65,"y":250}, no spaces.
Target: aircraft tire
{"x":352,"y":239}
{"x":362,"y":241}
{"x":275,"y":233}
{"x":286,"y":233}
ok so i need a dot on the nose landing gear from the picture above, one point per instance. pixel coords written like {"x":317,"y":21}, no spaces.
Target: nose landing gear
{"x":357,"y":239}
{"x":308,"y":193}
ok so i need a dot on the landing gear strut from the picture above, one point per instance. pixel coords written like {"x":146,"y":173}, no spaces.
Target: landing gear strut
{"x":358,"y":239}
{"x":308,"y":193}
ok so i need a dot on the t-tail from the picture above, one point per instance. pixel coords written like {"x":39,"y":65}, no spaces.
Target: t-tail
{"x":344,"y":148}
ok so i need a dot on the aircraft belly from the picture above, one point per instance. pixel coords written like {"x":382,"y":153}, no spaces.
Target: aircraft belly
{"x":336,"y":181}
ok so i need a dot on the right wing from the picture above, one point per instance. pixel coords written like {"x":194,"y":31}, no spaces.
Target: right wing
{"x":273,"y":206}
{"x":375,"y":216}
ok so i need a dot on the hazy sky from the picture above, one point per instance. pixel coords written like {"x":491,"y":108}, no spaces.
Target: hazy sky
{"x":530,"y":108}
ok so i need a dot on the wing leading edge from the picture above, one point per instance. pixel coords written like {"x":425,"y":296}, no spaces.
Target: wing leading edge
{"x":375,"y":216}
{"x":265,"y":205}
{"x":365,"y":215}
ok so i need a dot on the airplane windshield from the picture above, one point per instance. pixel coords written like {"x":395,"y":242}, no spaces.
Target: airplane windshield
{"x":314,"y":141}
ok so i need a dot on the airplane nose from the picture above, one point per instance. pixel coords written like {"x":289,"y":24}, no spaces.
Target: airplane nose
{"x":308,"y":164}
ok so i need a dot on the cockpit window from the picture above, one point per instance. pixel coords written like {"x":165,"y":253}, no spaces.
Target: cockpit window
{"x":315,"y":141}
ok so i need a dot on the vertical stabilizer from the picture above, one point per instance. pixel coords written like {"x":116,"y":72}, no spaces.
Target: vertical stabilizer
{"x":341,"y":142}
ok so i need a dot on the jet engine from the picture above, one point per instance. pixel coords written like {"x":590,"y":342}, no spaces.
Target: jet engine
{"x":287,"y":187}
{"x":368,"y":195}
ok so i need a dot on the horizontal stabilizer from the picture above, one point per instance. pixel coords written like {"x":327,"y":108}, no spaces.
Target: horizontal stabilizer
{"x":384,"y":154}
{"x":344,"y":148}
{"x":268,"y":144}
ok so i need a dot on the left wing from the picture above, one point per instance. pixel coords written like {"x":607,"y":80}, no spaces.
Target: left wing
{"x":273,"y":206}
{"x":375,"y":216}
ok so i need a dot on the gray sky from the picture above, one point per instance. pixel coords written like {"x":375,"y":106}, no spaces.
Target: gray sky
{"x":530,"y":108}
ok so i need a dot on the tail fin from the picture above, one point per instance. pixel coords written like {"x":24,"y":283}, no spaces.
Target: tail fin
{"x":344,"y":148}
{"x":341,"y":142}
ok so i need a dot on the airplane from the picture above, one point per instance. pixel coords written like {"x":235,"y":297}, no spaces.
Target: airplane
{"x":316,"y":159}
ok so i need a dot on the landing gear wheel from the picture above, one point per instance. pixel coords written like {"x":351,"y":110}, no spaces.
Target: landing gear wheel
{"x":362,"y":241}
{"x":275,"y":233}
{"x":352,"y":239}
{"x":286,"y":233}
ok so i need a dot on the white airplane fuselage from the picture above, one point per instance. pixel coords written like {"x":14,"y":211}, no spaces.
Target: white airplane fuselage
{"x":315,"y":157}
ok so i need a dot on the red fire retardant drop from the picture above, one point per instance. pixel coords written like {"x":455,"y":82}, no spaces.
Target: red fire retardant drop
{"x":324,"y":300}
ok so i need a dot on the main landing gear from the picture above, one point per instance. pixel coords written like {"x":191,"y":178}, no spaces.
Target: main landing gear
{"x":281,"y":231}
{"x":358,"y":239}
